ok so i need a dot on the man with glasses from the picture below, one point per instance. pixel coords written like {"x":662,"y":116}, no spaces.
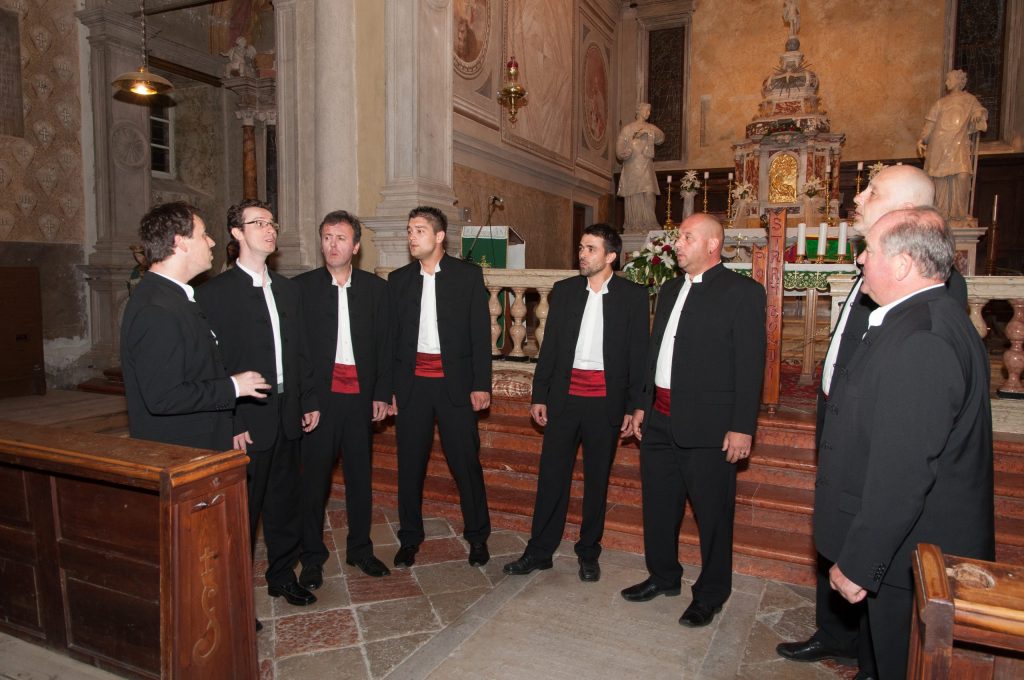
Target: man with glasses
{"x":257,"y":316}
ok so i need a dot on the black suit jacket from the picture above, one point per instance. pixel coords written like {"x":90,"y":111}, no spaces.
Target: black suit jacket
{"x":177,"y":389}
{"x":238,"y":313}
{"x":718,"y":357}
{"x":463,"y":325}
{"x":369,"y":320}
{"x":624,"y":344}
{"x":906,"y":453}
{"x":857,"y":324}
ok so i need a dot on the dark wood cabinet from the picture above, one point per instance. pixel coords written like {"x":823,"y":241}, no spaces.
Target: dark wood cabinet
{"x":21,"y":341}
{"x":130,"y":555}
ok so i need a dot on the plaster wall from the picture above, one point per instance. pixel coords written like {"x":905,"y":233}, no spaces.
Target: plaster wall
{"x":370,"y":93}
{"x":879,"y":62}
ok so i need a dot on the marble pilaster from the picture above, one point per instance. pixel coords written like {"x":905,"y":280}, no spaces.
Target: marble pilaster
{"x":418,"y":121}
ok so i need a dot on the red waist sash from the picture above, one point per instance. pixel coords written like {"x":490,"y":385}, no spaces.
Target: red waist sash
{"x":662,"y":400}
{"x":586,"y":383}
{"x":429,"y":365}
{"x":344,"y":380}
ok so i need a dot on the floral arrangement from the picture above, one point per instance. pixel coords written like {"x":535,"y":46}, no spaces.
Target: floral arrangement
{"x":655,"y":264}
{"x":812,"y":187}
{"x":743,"y":191}
{"x":689,"y":182}
{"x":875,"y":169}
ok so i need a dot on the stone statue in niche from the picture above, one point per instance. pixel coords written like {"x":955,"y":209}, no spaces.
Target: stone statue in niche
{"x":240,"y":60}
{"x":638,"y":184}
{"x":791,"y":15}
{"x":949,"y":145}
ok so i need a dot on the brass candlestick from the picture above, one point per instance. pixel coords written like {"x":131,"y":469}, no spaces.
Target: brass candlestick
{"x":669,"y":224}
{"x":705,"y":194}
{"x":728,"y":203}
{"x":828,"y":198}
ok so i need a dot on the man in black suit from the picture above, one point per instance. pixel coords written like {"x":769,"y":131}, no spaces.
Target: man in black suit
{"x":587,"y":384}
{"x":442,"y":371}
{"x":842,"y":632}
{"x":705,"y":369}
{"x":177,"y":389}
{"x":346,"y":312}
{"x":906,"y":452}
{"x":257,"y":315}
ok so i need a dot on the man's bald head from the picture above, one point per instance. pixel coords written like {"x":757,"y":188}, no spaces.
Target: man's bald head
{"x":894,"y":188}
{"x":699,"y":245}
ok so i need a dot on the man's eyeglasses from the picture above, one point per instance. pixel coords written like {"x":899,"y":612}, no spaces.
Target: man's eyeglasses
{"x":263,"y":224}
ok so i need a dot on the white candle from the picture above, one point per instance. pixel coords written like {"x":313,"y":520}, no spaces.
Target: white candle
{"x":842,"y":239}
{"x":995,"y":208}
{"x":860,"y":165}
{"x":822,"y":239}
{"x":828,"y":168}
{"x":801,"y":238}
{"x":730,"y":176}
{"x":706,"y":173}
{"x":670,"y":180}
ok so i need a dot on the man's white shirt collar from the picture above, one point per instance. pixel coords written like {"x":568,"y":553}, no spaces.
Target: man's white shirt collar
{"x":257,"y":279}
{"x":878,"y":316}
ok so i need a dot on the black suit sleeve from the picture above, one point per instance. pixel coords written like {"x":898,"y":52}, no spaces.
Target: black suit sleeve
{"x":480,"y":332}
{"x":750,"y":342}
{"x":549,"y":348}
{"x":956,"y":286}
{"x":384,"y":332}
{"x":307,"y":384}
{"x":156,"y":343}
{"x":638,"y":321}
{"x":915,"y":404}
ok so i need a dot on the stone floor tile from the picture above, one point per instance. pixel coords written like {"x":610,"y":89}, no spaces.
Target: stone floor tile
{"x":391,"y":514}
{"x":333,"y":594}
{"x":335,"y":503}
{"x":437,"y":527}
{"x":384,"y":655}
{"x":399,"y":584}
{"x":493,"y":569}
{"x":263,"y":603}
{"x":266,"y":640}
{"x":396,"y":618}
{"x":336,"y":664}
{"x":267,"y":669}
{"x":259,"y":573}
{"x":329,"y":540}
{"x":731,"y":629}
{"x":315,"y":631}
{"x":441,"y":550}
{"x":506,"y":543}
{"x":450,"y":605}
{"x":449,"y":576}
{"x":381,"y":534}
{"x":337,"y":520}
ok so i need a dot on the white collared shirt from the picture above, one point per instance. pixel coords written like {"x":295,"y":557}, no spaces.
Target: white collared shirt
{"x":663,"y":370}
{"x":837,"y":338}
{"x":429,"y":342}
{"x":263,"y":281}
{"x":343,"y":352}
{"x":878,"y":316}
{"x":590,"y":343}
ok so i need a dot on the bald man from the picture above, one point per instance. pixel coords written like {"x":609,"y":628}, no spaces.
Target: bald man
{"x":839,"y":634}
{"x":906,"y":452}
{"x":701,"y":397}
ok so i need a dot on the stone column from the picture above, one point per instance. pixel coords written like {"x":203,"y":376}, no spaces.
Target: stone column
{"x":248,"y":118}
{"x":255,"y":101}
{"x":270,"y":119}
{"x":418,"y":121}
{"x":121,"y":134}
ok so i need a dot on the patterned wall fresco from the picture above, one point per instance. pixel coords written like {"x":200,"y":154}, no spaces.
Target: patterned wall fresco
{"x":41,"y":197}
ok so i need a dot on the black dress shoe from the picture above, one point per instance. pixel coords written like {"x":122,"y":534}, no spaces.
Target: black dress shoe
{"x":478,"y":554}
{"x":369,"y":565}
{"x":311,"y":577}
{"x":406,"y":555}
{"x":812,"y":650}
{"x":861,"y":675}
{"x":525,"y":564}
{"x":590,"y":570}
{"x":293,"y":593}
{"x":647,"y":590}
{"x":259,"y":626}
{"x":699,"y":614}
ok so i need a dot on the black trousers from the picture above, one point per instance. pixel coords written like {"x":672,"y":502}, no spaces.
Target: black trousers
{"x":842,"y":626}
{"x":890,"y":612}
{"x":670,"y":474}
{"x":562,"y":435}
{"x":345,"y":428}
{"x":414,"y":426}
{"x":272,"y":479}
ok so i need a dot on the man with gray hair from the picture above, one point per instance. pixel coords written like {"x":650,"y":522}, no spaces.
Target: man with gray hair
{"x":906,"y":452}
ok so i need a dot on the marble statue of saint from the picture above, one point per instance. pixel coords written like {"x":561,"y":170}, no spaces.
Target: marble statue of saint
{"x":240,"y":60}
{"x":638,"y":183}
{"x":947,"y":144}
{"x":791,"y":15}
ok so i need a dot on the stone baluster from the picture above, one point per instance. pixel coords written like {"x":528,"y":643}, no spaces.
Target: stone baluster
{"x":976,"y":304}
{"x":1013,"y":358}
{"x":494,"y":307}
{"x":518,"y":329}
{"x":542,"y":315}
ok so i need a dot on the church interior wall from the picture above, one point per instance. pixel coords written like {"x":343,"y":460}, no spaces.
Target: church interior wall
{"x":880,"y":64}
{"x":370,"y":93}
{"x":42,"y":199}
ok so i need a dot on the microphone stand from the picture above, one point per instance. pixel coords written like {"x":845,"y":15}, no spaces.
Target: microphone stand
{"x":468,"y":257}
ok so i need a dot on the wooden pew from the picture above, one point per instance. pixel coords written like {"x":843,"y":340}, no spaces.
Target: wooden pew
{"x":968,"y":618}
{"x":126,"y":554}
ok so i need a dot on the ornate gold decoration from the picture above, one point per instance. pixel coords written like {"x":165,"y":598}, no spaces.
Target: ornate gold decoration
{"x":513,"y":95}
{"x":782,"y":179}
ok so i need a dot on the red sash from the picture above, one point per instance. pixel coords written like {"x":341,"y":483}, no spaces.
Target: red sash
{"x":345,"y":380}
{"x":586,"y":383}
{"x":429,"y":365}
{"x":662,"y":400}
